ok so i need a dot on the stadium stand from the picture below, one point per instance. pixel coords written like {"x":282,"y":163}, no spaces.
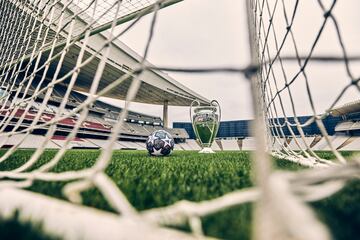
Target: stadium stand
{"x":178,"y":147}
{"x":76,"y":143}
{"x":101,"y":143}
{"x":178,"y":133}
{"x":99,"y":123}
{"x":94,"y":129}
{"x":31,"y":141}
{"x":140,"y":145}
{"x":131,"y":145}
{"x":241,"y":128}
{"x":248,"y":144}
{"x":278,"y":143}
{"x":215,"y":146}
{"x":336,"y":141}
{"x":193,"y":144}
{"x":342,"y":124}
{"x":230,"y":144}
{"x":298,"y":143}
{"x":218,"y":141}
{"x":353,"y":144}
{"x":185,"y":146}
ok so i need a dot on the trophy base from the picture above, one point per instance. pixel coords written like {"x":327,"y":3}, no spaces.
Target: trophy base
{"x":206,"y":150}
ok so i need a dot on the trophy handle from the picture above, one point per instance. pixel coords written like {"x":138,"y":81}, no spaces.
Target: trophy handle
{"x":191,"y":113}
{"x":191,"y":107}
{"x":216,"y":103}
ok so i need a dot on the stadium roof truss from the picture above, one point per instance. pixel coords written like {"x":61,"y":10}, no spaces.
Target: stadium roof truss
{"x":156,"y":87}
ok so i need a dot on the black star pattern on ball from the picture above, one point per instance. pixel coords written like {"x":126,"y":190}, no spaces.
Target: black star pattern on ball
{"x":160,"y":143}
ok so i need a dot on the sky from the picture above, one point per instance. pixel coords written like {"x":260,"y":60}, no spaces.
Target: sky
{"x":209,"y":33}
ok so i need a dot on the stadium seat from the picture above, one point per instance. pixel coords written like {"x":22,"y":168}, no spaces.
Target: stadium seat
{"x":336,"y":141}
{"x":248,"y":144}
{"x":141,"y":145}
{"x":300,"y":142}
{"x":353,"y":145}
{"x":148,"y":129}
{"x":31,"y":141}
{"x":277,"y":143}
{"x":75,"y":143}
{"x":230,"y":145}
{"x":129,"y":145}
{"x":95,"y":125}
{"x":185,"y":146}
{"x":215,"y":146}
{"x":102,"y":143}
{"x":178,"y":133}
{"x":177,"y":147}
{"x":193,"y":145}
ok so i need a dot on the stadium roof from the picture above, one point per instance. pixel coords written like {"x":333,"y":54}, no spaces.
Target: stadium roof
{"x":346,"y":108}
{"x":156,"y":87}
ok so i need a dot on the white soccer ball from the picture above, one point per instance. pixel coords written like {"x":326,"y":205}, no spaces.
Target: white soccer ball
{"x":160,"y":143}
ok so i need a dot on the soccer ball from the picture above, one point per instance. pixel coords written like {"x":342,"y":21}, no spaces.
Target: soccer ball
{"x":160,"y":143}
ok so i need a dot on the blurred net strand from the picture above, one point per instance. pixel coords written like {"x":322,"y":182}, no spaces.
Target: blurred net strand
{"x":290,"y":189}
{"x":279,"y":211}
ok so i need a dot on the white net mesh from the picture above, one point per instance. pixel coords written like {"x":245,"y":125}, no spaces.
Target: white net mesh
{"x":283,"y":90}
{"x":287,"y":68}
{"x":40,"y":37}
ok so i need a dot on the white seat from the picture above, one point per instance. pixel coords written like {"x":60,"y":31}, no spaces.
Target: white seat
{"x":354,"y":145}
{"x":141,"y":145}
{"x":336,"y":141}
{"x":78,"y":143}
{"x":177,"y":146}
{"x":193,"y":144}
{"x":277,"y":143}
{"x":102,"y":143}
{"x":301,"y":143}
{"x":129,"y":145}
{"x":31,"y":141}
{"x":230,"y":145}
{"x":248,"y":144}
{"x":185,"y":146}
{"x":215,"y":146}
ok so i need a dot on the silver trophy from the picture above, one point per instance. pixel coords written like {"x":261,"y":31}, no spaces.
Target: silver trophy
{"x":205,"y":120}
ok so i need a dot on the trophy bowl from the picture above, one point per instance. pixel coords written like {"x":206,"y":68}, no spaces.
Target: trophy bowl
{"x":205,"y":120}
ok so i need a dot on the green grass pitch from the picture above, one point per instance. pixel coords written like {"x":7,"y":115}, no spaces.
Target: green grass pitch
{"x":150,"y":182}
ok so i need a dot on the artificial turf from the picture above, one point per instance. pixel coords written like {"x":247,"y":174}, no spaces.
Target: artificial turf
{"x":150,"y":182}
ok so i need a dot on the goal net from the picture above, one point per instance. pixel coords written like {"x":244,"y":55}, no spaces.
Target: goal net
{"x":49,"y":43}
{"x":295,"y":52}
{"x":292,"y":66}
